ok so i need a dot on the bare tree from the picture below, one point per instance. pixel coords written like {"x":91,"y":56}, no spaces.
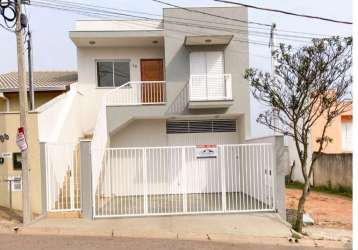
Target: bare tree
{"x":310,"y":83}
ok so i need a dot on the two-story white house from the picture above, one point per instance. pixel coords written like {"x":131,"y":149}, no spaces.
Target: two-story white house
{"x":162,"y":115}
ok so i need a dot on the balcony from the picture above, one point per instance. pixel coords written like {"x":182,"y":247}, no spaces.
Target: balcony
{"x":210,"y":91}
{"x":138,"y":93}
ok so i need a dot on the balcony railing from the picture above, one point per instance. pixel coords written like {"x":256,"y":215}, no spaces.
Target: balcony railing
{"x":138,"y":93}
{"x":210,"y":87}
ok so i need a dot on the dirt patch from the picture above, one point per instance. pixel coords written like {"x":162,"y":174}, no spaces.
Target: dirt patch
{"x":10,"y":215}
{"x":327,"y":210}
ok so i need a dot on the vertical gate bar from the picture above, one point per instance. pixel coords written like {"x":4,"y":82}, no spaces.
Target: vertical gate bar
{"x":223,"y":184}
{"x":265,"y":175}
{"x":145,"y":181}
{"x":247,"y":179}
{"x":184,"y":188}
{"x":210,"y":185}
{"x":239,"y":156}
{"x":160,"y":174}
{"x":110,"y":182}
{"x":261,"y":181}
{"x":250,"y":170}
{"x":273,"y":174}
{"x":106,"y":181}
{"x":269,"y":175}
{"x":127,"y":166}
{"x":116,"y":188}
{"x":172,"y":178}
{"x":156,"y":193}
{"x":256,"y":176}
{"x":48,"y":181}
{"x":233,"y":178}
{"x":72,"y":177}
{"x":237,"y":175}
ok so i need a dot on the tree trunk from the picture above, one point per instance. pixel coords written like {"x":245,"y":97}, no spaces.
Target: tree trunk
{"x":300,"y":209}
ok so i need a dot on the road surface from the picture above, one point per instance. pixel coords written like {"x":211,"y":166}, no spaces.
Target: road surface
{"x":59,"y":242}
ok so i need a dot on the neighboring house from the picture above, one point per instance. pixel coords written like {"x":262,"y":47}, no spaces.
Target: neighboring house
{"x":341,"y":133}
{"x":159,"y":123}
{"x":48,"y":85}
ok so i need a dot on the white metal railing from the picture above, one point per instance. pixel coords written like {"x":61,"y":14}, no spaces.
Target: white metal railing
{"x":62,"y":177}
{"x":131,"y":93}
{"x":210,"y":87}
{"x":138,"y":93}
{"x":173,"y":180}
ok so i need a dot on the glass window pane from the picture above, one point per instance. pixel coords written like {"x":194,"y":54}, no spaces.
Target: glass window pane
{"x":105,"y":74}
{"x":121,"y":73}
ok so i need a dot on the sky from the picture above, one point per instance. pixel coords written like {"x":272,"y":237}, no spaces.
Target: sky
{"x":53,"y":50}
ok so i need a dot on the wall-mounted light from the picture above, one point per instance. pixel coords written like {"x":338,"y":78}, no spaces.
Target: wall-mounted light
{"x":208,"y":41}
{"x":155,"y":42}
{"x":92,"y":42}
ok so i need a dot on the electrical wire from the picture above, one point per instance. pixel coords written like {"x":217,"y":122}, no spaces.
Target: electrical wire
{"x":103,"y":15}
{"x":100,"y":13}
{"x":8,"y":13}
{"x":79,"y":4}
{"x":88,"y":7}
{"x":283,"y":12}
{"x":210,"y":14}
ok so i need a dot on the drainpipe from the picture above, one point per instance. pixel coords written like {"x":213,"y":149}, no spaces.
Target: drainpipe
{"x":6,"y":100}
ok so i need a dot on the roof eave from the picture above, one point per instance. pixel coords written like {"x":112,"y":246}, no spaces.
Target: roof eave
{"x":36,"y":89}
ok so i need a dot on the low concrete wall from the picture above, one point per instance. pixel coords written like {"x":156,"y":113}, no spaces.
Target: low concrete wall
{"x":333,"y":170}
{"x":9,"y":122}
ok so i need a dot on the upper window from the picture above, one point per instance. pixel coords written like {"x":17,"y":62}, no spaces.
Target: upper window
{"x":112,"y":73}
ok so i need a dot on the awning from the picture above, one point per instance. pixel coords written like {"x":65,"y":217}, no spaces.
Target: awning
{"x":208,"y":40}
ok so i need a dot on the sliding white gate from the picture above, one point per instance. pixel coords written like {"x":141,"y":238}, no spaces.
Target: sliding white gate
{"x":177,"y":180}
{"x":62,"y":177}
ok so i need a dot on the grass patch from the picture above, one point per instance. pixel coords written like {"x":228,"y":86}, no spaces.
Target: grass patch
{"x":342,"y":191}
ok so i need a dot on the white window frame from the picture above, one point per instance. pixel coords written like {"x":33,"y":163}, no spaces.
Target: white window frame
{"x":346,"y":141}
{"x":112,"y":61}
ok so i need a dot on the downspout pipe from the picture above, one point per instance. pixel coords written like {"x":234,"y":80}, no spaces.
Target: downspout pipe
{"x":7,"y":101}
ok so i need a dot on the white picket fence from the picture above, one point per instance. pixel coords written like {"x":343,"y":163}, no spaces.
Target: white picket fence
{"x":173,"y":180}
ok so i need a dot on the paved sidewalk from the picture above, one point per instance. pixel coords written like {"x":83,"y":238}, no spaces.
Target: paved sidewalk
{"x":192,"y":227}
{"x":61,"y":242}
{"x":247,"y":230}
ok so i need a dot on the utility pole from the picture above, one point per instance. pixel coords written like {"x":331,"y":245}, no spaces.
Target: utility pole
{"x":26,"y":198}
{"x":29,"y":61}
{"x":272,"y":45}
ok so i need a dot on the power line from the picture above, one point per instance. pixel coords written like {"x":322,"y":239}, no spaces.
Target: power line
{"x":188,"y":19}
{"x":110,"y":10}
{"x":210,"y":14}
{"x":283,"y":12}
{"x":98,"y":13}
{"x":63,"y":8}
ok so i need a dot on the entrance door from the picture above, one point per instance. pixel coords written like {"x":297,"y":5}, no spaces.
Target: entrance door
{"x":152,"y":70}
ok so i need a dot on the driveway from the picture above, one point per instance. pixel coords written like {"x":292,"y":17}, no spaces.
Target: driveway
{"x":224,"y":226}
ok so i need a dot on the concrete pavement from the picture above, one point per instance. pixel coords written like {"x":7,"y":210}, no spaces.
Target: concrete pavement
{"x":61,"y":242}
{"x":230,"y":231}
{"x":183,"y":227}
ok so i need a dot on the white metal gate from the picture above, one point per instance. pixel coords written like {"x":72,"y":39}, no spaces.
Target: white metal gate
{"x":62,"y":177}
{"x":173,"y":180}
